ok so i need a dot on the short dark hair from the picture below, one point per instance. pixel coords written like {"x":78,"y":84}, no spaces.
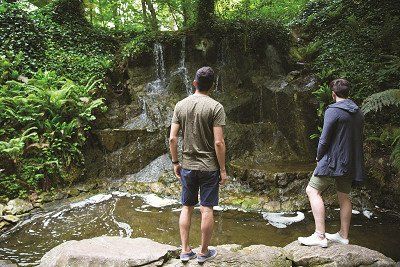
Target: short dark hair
{"x":341,"y":87}
{"x":204,"y":78}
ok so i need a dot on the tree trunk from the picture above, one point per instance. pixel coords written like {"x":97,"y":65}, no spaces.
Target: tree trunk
{"x":144,"y":13}
{"x":185,"y":9}
{"x":153,"y":20}
{"x":205,"y":11}
{"x":115,"y":15}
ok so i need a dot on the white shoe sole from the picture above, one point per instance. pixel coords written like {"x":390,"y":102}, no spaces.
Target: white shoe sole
{"x":313,"y":244}
{"x":333,"y":239}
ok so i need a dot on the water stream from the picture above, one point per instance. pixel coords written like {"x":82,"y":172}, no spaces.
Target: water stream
{"x":121,"y":214}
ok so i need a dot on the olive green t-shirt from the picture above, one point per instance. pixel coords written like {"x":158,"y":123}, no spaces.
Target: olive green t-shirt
{"x":197,"y":115}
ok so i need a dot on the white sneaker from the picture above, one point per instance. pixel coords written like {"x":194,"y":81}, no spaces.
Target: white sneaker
{"x":313,"y":240}
{"x":337,"y":238}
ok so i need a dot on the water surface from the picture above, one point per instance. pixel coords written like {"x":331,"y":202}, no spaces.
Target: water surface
{"x":131,"y":216}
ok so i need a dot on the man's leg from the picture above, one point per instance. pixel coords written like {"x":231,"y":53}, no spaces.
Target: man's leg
{"x":209,"y":187}
{"x":345,"y":214}
{"x":184,"y":227}
{"x":190,"y":189}
{"x":318,"y":210}
{"x":207,"y":224}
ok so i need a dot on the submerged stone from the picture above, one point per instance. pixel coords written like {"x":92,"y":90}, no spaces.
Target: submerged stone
{"x":7,"y":263}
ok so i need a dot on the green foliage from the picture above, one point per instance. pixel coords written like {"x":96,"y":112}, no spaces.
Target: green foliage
{"x":248,"y":36}
{"x":19,"y":32}
{"x":57,"y":37}
{"x":44,"y":124}
{"x":352,"y":36}
{"x":283,"y":11}
{"x":324,"y":97}
{"x":390,"y":138}
{"x":377,"y":101}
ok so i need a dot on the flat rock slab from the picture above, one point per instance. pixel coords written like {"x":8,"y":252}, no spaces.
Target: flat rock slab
{"x":335,"y":255}
{"x":233,"y":255}
{"x":108,"y":251}
{"x":18,"y":206}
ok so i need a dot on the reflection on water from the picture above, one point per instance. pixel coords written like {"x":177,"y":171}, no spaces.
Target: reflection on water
{"x":130,"y":216}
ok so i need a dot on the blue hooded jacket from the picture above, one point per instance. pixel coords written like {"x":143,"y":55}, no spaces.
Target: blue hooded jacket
{"x":340,"y":147}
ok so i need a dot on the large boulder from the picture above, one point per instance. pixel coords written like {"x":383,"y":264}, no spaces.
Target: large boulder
{"x":233,"y":255}
{"x":335,"y":255}
{"x":108,"y":251}
{"x":18,"y":206}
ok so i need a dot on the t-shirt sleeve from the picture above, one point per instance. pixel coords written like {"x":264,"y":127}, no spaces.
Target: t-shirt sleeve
{"x":175,"y":116}
{"x":219,"y":116}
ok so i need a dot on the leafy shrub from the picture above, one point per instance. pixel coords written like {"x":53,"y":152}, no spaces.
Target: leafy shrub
{"x":44,"y":124}
{"x":352,"y":37}
{"x":57,"y":37}
{"x":19,"y":32}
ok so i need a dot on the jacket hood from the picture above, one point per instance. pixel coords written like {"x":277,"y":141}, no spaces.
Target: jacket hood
{"x":347,"y":105}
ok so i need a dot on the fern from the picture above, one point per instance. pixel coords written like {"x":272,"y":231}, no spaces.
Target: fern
{"x":377,"y":101}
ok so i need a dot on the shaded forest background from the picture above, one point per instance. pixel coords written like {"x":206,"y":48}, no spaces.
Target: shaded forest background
{"x":55,"y":57}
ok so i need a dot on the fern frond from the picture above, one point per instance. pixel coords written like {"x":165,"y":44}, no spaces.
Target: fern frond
{"x":377,"y":101}
{"x":396,"y":155}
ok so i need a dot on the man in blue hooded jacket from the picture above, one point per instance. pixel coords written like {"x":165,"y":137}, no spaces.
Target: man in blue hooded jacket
{"x":340,"y":160}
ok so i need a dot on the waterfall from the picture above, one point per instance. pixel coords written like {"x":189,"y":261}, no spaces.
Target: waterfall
{"x":159,"y":85}
{"x":182,"y":70}
{"x":221,"y":62}
{"x":159,"y":60}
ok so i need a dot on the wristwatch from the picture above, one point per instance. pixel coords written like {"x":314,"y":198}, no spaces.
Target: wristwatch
{"x":175,"y":162}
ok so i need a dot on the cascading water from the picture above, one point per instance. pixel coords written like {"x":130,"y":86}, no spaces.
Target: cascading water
{"x":159,"y":85}
{"x":140,"y":122}
{"x":221,"y":62}
{"x":182,"y":70}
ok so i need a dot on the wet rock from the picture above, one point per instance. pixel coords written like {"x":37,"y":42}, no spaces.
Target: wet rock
{"x":272,"y":206}
{"x":19,"y":206}
{"x":2,"y":207}
{"x":7,"y":263}
{"x":85,"y":187}
{"x":122,"y":152}
{"x":3,"y":224}
{"x":335,"y":255}
{"x":108,"y":251}
{"x":233,"y":255}
{"x":45,"y":197}
{"x":60,"y":195}
{"x":73,"y":192}
{"x":11,"y":218}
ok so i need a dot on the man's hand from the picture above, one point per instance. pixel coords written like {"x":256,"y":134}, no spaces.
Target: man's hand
{"x":224,"y":177}
{"x":177,"y":170}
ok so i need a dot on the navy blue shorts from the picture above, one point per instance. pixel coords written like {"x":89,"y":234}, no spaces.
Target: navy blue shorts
{"x":206,"y":181}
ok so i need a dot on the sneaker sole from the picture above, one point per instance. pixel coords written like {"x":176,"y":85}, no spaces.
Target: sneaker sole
{"x":207,"y":259}
{"x":316,"y":245}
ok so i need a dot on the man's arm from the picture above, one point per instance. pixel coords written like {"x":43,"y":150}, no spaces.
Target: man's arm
{"x":220,"y":150}
{"x":173,"y":147}
{"x":326,"y":135}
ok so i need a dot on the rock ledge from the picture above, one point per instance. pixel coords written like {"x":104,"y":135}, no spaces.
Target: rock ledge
{"x":117,"y":251}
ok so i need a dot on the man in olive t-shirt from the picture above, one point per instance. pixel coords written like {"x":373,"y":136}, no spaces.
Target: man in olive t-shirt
{"x":201,"y":119}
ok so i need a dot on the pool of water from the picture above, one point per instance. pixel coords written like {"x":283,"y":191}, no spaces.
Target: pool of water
{"x":133,"y":216}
